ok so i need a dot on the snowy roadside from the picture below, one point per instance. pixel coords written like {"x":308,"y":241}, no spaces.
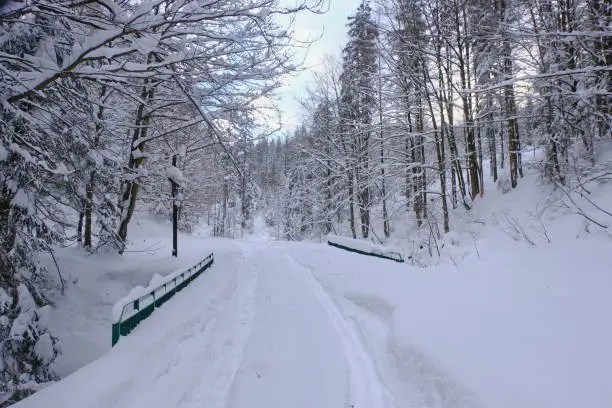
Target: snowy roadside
{"x":82,"y":317}
{"x":514,"y":316}
{"x":523,"y":327}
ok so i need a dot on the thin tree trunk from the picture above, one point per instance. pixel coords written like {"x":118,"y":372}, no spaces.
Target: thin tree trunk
{"x":439,"y":152}
{"x":351,"y":205}
{"x":409,"y":162}
{"x":383,"y":180}
{"x":384,"y":187}
{"x":362,"y":181}
{"x":89,"y":188}
{"x":131,"y":187}
{"x":491,"y":138}
{"x":441,"y":167}
{"x":469,"y":131}
{"x":423,"y":178}
{"x":510,"y":105}
{"x":452,"y":143}
{"x":444,"y":130}
{"x":88,"y":210}
{"x":80,"y":227}
{"x":502,"y":154}
{"x":329,"y":204}
{"x":174,"y":188}
{"x":481,"y":172}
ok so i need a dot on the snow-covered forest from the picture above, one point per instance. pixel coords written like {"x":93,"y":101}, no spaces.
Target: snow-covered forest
{"x":104,"y":104}
{"x":432,"y":95}
{"x":112,"y":108}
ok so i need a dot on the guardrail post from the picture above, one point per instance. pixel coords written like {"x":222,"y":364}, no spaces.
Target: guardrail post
{"x":116,"y":333}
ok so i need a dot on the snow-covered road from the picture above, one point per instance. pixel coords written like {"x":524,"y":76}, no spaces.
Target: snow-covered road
{"x":278,"y":324}
{"x":257,"y":330}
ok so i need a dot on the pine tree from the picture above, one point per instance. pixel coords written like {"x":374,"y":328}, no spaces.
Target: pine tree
{"x":358,"y":102}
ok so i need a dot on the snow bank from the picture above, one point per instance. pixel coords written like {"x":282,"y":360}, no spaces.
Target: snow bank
{"x":364,"y":247}
{"x":81,"y":317}
{"x":519,"y":326}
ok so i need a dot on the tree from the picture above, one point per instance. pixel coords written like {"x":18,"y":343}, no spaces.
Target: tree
{"x":358,"y":100}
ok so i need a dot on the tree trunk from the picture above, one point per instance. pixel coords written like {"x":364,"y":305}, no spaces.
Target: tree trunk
{"x":362,"y":183}
{"x":440,"y":156}
{"x":490,"y":133}
{"x":383,"y":186}
{"x":89,"y":188}
{"x":441,"y":165}
{"x":382,"y":153}
{"x":329,"y":204}
{"x":175,"y":208}
{"x":481,"y":172}
{"x":409,"y":162}
{"x":452,"y":143}
{"x":351,"y":194}
{"x":510,"y":105}
{"x":80,"y":227}
{"x":131,"y":187}
{"x":470,"y":145}
{"x":88,"y":211}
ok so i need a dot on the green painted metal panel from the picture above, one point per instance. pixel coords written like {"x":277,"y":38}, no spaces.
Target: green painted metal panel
{"x":143,"y":307}
{"x":397,"y":258}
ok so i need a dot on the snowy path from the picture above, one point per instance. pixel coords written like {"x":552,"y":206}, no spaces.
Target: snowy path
{"x":367,"y":388}
{"x":257,"y":330}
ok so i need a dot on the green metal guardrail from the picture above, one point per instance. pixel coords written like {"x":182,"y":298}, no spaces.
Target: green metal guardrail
{"x":394,"y":256}
{"x":136,"y":310}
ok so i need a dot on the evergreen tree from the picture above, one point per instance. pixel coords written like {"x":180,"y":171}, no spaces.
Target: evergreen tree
{"x":358,"y":102}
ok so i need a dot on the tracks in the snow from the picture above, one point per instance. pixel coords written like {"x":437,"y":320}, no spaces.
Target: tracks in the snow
{"x":367,"y":388}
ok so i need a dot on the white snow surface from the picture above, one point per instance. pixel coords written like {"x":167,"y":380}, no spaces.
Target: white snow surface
{"x":305,"y":325}
{"x":82,"y":318}
{"x":513,"y":321}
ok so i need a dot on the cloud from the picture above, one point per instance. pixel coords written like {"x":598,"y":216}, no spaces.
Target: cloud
{"x":328,"y":31}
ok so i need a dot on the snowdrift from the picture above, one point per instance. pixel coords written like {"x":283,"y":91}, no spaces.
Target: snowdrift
{"x":364,"y":248}
{"x":516,"y":326}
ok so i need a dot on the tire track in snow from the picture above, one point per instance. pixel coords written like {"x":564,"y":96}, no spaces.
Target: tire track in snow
{"x":228,"y":338}
{"x":415,"y":378}
{"x":367,"y":390}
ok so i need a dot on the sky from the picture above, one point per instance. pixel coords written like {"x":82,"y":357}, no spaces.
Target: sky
{"x":329,"y":31}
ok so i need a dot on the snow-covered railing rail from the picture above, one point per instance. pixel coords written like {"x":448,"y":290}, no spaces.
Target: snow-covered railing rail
{"x":140,"y":303}
{"x":363,"y":248}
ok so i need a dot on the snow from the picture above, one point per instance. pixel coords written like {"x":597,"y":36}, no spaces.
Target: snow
{"x":22,"y":200}
{"x":364,"y":246}
{"x":516,"y":328}
{"x":44,"y":348}
{"x":156,"y":284}
{"x":27,"y":313}
{"x":514,"y":316}
{"x":82,"y":318}
{"x":4,"y":154}
{"x":135,"y":293}
{"x":5,"y":301}
{"x":175,"y":174}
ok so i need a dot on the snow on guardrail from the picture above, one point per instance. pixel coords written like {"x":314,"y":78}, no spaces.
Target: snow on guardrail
{"x":129,"y":311}
{"x":364,"y":248}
